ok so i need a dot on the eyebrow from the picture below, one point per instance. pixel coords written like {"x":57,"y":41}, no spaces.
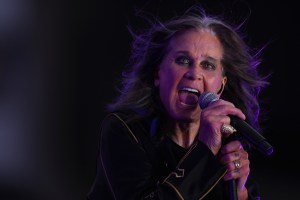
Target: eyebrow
{"x":209,"y":58}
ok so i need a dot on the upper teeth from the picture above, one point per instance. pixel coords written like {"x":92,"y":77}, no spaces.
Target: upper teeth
{"x":191,"y":90}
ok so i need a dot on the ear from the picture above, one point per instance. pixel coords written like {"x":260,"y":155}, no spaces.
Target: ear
{"x":224,"y":81}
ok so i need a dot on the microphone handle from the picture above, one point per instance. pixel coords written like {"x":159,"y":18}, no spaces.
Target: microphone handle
{"x":231,"y":184}
{"x":232,"y":190}
{"x":251,"y":135}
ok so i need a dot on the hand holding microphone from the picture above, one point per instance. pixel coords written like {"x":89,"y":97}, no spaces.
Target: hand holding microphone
{"x":216,"y":132}
{"x":215,"y":124}
{"x":245,"y":129}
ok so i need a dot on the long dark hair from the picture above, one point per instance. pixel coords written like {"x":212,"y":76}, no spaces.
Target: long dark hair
{"x":149,"y":47}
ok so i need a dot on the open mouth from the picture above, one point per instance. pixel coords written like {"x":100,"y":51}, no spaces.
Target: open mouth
{"x":189,"y":96}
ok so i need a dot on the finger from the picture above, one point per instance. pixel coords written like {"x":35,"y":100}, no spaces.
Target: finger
{"x":222,"y":107}
{"x":235,"y":172}
{"x":236,"y":155}
{"x":215,"y":116}
{"x":231,"y":147}
{"x":230,"y":157}
{"x":243,"y":154}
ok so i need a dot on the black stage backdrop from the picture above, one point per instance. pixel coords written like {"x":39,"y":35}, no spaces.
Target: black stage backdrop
{"x":60,"y":62}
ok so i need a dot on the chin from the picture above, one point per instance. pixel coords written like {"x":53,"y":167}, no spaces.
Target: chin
{"x":188,"y":116}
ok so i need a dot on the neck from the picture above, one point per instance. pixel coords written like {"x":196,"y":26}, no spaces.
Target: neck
{"x":185,"y":134}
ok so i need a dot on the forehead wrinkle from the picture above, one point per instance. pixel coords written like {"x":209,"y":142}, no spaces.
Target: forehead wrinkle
{"x":204,"y":48}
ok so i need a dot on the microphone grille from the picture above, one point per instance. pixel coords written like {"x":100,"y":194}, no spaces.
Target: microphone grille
{"x":207,"y":98}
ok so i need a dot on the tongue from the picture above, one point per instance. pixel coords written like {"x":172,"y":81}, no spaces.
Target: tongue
{"x":188,"y":98}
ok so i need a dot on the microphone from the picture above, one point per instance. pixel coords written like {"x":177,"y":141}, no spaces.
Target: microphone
{"x":255,"y":138}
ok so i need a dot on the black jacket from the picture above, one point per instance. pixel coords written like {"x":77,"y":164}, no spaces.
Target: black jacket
{"x":133,"y":164}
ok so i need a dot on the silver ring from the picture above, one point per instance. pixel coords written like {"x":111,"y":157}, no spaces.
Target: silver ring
{"x":237,"y":164}
{"x":227,"y":129}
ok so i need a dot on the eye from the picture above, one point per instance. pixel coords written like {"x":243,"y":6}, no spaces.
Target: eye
{"x":183,"y":60}
{"x":208,"y":65}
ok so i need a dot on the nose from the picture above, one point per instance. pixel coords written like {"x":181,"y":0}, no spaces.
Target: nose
{"x":194,"y":74}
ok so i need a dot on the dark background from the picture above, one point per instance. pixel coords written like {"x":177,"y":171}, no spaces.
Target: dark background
{"x":60,"y":62}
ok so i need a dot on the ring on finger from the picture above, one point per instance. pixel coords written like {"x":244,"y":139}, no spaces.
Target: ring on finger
{"x":237,"y":164}
{"x":227,"y":129}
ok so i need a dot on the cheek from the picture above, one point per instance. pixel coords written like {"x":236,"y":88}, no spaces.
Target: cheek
{"x":165,"y":83}
{"x":213,"y":84}
{"x":170,"y":76}
{"x":168,"y":81}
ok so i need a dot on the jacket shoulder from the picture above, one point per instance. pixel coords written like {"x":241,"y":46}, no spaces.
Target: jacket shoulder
{"x":136,"y":125}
